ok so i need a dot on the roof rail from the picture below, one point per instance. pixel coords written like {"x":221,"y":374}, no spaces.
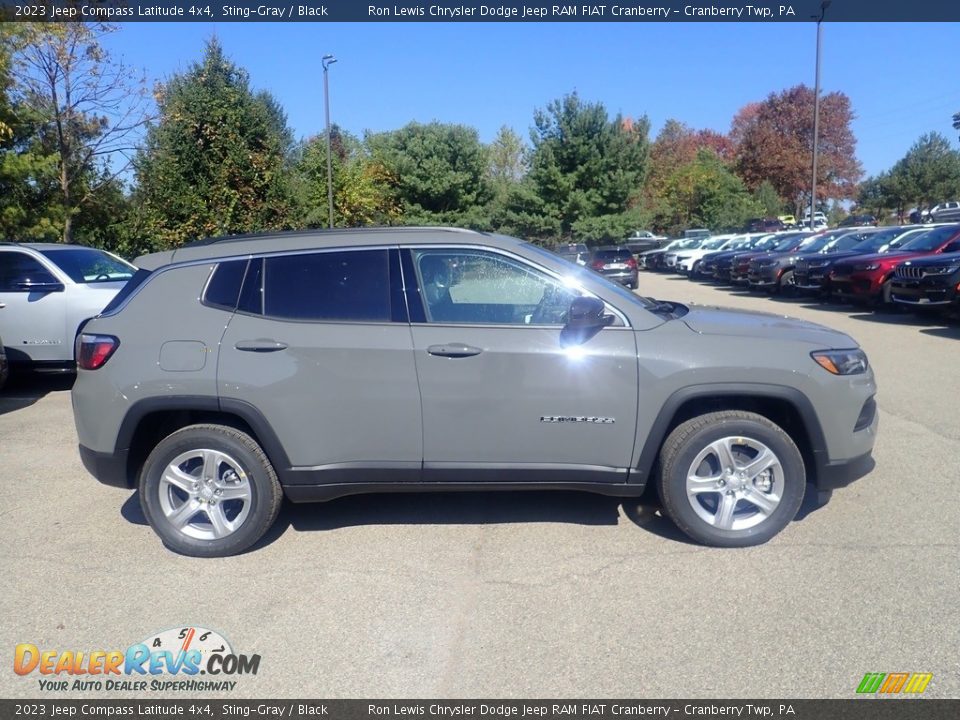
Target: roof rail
{"x":323,"y":231}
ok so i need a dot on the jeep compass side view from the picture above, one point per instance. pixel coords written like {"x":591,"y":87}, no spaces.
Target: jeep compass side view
{"x":233,"y":372}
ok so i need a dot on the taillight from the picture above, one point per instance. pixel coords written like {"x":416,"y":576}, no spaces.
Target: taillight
{"x":598,"y":264}
{"x":93,"y":351}
{"x":632,"y":263}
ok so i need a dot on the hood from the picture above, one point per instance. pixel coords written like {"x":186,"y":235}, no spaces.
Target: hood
{"x":941,"y":259}
{"x":895,"y":256}
{"x":746,"y":323}
{"x":842,"y":255}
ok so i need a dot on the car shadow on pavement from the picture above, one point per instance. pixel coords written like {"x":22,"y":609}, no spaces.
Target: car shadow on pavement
{"x":923,"y":322}
{"x":953,"y":333}
{"x":471,"y":508}
{"x":24,"y":389}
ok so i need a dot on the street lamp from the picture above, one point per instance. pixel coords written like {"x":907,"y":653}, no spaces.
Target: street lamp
{"x":816,"y":113}
{"x":329,"y":60}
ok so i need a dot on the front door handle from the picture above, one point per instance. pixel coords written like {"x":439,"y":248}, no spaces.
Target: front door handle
{"x":454,"y":350}
{"x":260,"y":345}
{"x":2,"y":306}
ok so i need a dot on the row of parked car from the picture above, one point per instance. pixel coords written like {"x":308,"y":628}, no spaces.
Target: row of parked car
{"x":916,"y":266}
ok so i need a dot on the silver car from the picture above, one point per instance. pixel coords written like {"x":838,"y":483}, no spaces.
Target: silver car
{"x":318,"y":364}
{"x":47,"y":291}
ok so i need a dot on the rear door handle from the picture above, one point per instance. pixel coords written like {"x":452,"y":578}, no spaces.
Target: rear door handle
{"x":260,"y":345}
{"x":2,"y":306}
{"x":454,"y":350}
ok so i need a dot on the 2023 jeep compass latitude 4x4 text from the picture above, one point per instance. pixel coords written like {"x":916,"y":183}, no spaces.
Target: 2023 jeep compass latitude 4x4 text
{"x":233,"y":372}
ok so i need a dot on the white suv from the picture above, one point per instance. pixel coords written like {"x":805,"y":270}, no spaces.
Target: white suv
{"x":47,"y":291}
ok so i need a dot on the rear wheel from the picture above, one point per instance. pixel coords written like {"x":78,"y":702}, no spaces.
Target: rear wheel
{"x":731,"y":478}
{"x":209,"y":491}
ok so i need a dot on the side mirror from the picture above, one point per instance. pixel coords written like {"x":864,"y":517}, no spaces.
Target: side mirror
{"x":40,"y":286}
{"x":584,"y":320}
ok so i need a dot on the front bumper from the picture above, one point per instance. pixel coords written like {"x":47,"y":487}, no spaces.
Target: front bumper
{"x":108,"y":468}
{"x":840,"y":474}
{"x":763,"y":277}
{"x":854,"y":287}
{"x":813,"y":279}
{"x":925,"y":292}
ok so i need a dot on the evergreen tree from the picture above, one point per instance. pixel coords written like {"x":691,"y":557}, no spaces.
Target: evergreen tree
{"x":215,"y":161}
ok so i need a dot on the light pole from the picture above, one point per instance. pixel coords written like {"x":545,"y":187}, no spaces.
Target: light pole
{"x":329,"y":60}
{"x":816,"y":114}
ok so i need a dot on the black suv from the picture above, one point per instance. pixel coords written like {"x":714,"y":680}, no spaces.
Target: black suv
{"x":616,"y":263}
{"x":928,"y":282}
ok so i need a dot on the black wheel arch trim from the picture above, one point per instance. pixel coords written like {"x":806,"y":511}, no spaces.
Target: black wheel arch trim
{"x":663,"y":423}
{"x":246,"y":412}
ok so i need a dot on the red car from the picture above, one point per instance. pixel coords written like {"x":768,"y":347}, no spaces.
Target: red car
{"x":868,"y":278}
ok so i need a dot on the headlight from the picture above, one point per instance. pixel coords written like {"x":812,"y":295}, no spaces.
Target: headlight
{"x":841,"y":362}
{"x":866,"y":266}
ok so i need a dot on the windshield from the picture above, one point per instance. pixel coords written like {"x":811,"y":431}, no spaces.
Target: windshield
{"x":931,"y":240}
{"x":786,"y":242}
{"x":814,"y":244}
{"x":87,"y":265}
{"x":577,"y":275}
{"x":714,"y":244}
{"x":766,"y":243}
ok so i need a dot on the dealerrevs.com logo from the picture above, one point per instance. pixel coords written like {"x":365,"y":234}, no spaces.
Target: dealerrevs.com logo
{"x":169,"y":661}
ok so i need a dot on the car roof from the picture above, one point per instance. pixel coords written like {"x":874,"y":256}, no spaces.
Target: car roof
{"x":288,"y":241}
{"x":45,"y":245}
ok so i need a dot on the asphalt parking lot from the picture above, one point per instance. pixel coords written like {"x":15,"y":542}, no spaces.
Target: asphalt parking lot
{"x":520,"y":595}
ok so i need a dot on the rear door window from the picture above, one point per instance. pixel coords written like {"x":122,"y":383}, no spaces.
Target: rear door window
{"x":348,"y":285}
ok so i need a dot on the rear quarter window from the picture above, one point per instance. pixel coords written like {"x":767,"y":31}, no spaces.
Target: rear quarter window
{"x":223,"y":288}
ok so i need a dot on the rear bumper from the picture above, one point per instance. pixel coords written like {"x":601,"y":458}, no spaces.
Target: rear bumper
{"x":108,"y":468}
{"x":625,"y":276}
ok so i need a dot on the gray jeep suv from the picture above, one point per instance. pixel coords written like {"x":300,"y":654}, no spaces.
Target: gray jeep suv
{"x":232,"y":372}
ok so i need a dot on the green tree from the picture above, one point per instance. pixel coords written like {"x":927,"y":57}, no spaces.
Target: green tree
{"x":438,"y":172}
{"x":508,"y":159}
{"x":362,"y":191}
{"x":584,"y":163}
{"x":706,"y":193}
{"x":768,"y":199}
{"x":28,"y":173}
{"x":215,"y":162}
{"x":930,"y":171}
{"x":88,"y":109}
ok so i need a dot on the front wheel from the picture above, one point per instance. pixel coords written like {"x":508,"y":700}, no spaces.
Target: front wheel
{"x":209,"y":491}
{"x":731,"y":478}
{"x":787,"y":284}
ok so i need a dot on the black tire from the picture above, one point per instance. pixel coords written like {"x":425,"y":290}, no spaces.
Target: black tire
{"x":786,"y":286}
{"x":884,"y":301}
{"x":265,"y":494}
{"x":688,"y":440}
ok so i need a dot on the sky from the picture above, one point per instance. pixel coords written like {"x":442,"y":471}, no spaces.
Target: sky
{"x":487,"y":75}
